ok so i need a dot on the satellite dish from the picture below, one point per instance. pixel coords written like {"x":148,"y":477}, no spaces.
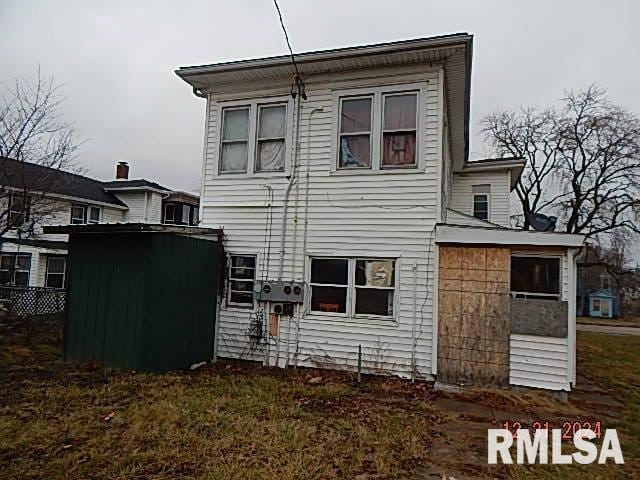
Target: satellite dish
{"x":542,"y":223}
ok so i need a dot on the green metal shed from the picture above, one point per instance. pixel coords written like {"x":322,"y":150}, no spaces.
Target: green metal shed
{"x":141,"y":296}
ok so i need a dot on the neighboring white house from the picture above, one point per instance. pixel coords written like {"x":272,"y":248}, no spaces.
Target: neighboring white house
{"x":28,"y":257}
{"x":401,"y":245}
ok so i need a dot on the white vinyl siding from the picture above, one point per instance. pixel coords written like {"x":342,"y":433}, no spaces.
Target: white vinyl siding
{"x":383,"y":214}
{"x":539,"y":362}
{"x":499,"y":185}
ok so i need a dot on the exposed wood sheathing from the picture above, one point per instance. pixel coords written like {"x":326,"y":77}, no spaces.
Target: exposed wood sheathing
{"x":474,"y":315}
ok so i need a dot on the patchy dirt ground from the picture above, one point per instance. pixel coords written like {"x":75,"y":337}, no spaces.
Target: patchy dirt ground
{"x":241,"y":421}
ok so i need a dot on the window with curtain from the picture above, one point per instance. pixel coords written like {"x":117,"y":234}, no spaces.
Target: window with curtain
{"x":272,"y":130}
{"x":94,"y":215}
{"x":78,"y":214}
{"x":355,"y":133}
{"x":399,"y":129}
{"x":355,"y":287}
{"x":235,"y":140}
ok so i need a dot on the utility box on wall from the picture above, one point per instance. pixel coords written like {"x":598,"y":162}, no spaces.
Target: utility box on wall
{"x":141,"y":297}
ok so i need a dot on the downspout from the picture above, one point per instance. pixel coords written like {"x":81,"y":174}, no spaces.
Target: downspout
{"x":301,"y":308}
{"x":414,"y":322}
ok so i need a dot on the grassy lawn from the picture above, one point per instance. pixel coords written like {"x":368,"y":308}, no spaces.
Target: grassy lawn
{"x":233,"y":421}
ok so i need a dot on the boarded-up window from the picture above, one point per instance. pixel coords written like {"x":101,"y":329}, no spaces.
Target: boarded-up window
{"x":535,"y":277}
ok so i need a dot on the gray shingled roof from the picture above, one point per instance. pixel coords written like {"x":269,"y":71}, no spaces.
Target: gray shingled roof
{"x":118,"y":184}
{"x":16,"y":174}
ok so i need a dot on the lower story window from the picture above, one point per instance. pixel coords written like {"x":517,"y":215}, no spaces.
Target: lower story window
{"x":535,"y":277}
{"x":14,"y":269}
{"x":353,"y":286}
{"x":56,"y":269}
{"x":242,"y":275}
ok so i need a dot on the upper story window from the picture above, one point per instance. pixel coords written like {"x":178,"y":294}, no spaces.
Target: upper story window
{"x":19,"y":209}
{"x":399,"y":130}
{"x":481,"y":194}
{"x":253,"y":138}
{"x":378,"y":130}
{"x":81,"y":214}
{"x":605,"y":282}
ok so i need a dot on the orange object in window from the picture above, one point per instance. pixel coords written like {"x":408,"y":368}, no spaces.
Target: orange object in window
{"x":329,"y":307}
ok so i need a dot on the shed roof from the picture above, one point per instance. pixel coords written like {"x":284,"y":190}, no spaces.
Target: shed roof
{"x":602,"y":293}
{"x":131,"y":228}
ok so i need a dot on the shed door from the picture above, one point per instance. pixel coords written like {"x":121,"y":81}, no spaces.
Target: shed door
{"x":474,"y":315}
{"x":605,"y":308}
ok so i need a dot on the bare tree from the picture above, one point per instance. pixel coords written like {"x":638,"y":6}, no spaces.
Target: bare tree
{"x":583,"y":162}
{"x":32,"y":133}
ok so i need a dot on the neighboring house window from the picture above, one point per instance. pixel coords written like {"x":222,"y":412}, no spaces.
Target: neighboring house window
{"x":195,"y":216}
{"x":378,"y":130}
{"x":14,"y":269}
{"x":595,"y":304}
{"x":19,"y":209}
{"x":481,"y":195}
{"x":399,"y":129}
{"x":56,"y":268}
{"x":235,"y":140}
{"x":78,"y":214}
{"x":94,"y":215}
{"x":535,"y":277}
{"x":242,"y":274}
{"x":605,"y":282}
{"x":272,"y":128}
{"x":355,"y":132}
{"x":169,"y":213}
{"x":355,"y":287}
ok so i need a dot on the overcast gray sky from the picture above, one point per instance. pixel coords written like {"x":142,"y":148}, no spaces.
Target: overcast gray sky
{"x":117,"y":58}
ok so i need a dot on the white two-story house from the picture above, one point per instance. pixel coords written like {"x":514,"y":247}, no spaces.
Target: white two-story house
{"x":34,"y":196}
{"x":358,"y":195}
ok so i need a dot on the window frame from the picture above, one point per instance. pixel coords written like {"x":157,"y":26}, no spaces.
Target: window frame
{"x":25,"y":212}
{"x":15,"y":256}
{"x":473,"y":204}
{"x":350,"y":314}
{"x":604,"y":278}
{"x":229,"y":304}
{"x":164,"y":213}
{"x":378,"y":92}
{"x":91,"y":208}
{"x":47,"y":272}
{"x":400,"y":130}
{"x":259,"y":107}
{"x":356,"y":134}
{"x":559,"y":296}
{"x":222,"y":142}
{"x":84,"y":214}
{"x":252,"y":152}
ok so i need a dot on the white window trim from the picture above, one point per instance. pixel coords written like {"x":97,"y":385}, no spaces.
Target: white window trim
{"x":350,"y":314}
{"x":15,"y":263}
{"x":560,"y":295}
{"x":252,"y":151}
{"x":378,"y":93}
{"x":241,"y":307}
{"x":85,"y":212}
{"x":593,"y":305}
{"x":473,"y":205}
{"x":47,"y":273}
{"x":91,"y":207}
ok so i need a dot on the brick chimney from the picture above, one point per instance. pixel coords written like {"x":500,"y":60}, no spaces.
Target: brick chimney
{"x":122,"y":171}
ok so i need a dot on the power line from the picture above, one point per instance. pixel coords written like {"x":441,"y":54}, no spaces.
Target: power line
{"x":299,"y":84}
